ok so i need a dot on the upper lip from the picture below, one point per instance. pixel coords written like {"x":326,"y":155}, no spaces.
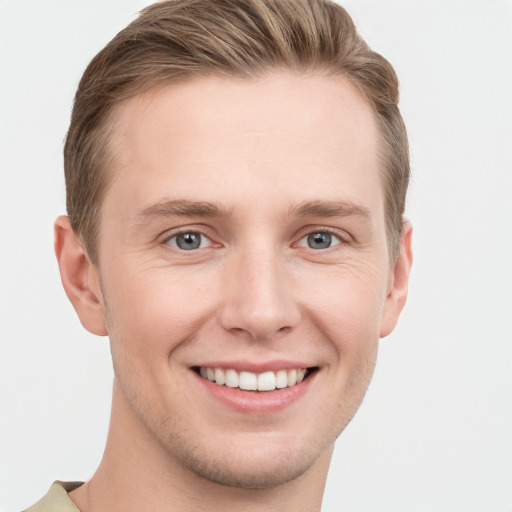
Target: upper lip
{"x":256,"y":366}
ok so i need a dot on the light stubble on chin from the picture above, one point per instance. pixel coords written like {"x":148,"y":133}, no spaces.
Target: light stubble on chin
{"x":233,"y":468}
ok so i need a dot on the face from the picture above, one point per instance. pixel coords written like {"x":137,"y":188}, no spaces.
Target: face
{"x":244,"y":270}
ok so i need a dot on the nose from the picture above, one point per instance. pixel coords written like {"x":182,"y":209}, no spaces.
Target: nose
{"x":260,"y":298}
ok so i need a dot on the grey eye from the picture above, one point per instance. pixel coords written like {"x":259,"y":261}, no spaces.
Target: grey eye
{"x":320,"y":240}
{"x":188,"y":241}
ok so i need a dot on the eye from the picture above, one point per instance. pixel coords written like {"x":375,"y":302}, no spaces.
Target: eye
{"x":320,"y":240}
{"x":189,"y":241}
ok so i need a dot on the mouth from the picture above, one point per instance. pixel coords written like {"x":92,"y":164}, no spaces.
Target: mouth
{"x":259,"y":382}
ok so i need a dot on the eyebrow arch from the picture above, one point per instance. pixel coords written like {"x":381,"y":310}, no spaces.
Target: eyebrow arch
{"x":184,"y":208}
{"x":330,"y":209}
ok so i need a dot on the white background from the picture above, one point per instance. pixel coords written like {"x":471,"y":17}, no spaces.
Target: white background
{"x":435,"y":430}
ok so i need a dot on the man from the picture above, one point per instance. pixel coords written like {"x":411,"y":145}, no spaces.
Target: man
{"x":236,"y":173}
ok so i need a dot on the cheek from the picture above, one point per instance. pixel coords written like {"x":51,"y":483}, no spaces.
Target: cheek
{"x":348,"y":308}
{"x":152,"y":311}
{"x":348,"y":301}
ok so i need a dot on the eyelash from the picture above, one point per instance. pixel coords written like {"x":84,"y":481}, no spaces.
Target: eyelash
{"x":330,"y":233}
{"x":342,"y":239}
{"x":194,"y":231}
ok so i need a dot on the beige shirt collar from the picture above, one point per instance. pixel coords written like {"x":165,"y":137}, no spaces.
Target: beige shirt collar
{"x":57,"y":499}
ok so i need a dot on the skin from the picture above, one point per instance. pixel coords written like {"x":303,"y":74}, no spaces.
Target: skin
{"x":281,"y":158}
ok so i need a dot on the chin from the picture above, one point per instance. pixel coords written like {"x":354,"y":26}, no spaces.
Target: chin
{"x":261,"y":468}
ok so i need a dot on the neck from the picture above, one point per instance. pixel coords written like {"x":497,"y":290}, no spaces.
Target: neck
{"x":137,"y":473}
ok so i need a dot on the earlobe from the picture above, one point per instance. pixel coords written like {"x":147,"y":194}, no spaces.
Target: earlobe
{"x":79,"y":277}
{"x":397,"y":295}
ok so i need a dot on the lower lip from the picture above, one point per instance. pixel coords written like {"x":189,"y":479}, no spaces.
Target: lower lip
{"x":256,"y":402}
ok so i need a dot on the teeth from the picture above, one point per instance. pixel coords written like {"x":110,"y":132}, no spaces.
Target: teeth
{"x":267,"y":381}
{"x":281,"y":379}
{"x":232,"y":379}
{"x":248,"y":381}
{"x":220,"y":378}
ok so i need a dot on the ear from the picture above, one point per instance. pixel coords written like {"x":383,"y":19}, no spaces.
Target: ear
{"x":398,"y":283}
{"x":80,"y":278}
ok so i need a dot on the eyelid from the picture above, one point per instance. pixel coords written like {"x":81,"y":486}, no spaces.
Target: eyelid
{"x":341,"y":235}
{"x":169,"y":234}
{"x":172,"y":241}
{"x":303,"y":242}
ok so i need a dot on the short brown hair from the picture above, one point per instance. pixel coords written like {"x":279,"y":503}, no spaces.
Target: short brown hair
{"x":182,"y":39}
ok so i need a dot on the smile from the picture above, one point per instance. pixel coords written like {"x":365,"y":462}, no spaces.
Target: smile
{"x":249,"y":381}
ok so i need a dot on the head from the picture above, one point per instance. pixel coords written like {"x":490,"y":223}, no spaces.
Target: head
{"x":180,"y":40}
{"x":236,"y":180}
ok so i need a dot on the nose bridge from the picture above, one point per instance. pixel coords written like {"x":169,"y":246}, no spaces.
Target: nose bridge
{"x":260,"y":294}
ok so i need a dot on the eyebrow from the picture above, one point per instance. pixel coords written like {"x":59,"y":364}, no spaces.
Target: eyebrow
{"x":330,"y":209}
{"x":184,"y":208}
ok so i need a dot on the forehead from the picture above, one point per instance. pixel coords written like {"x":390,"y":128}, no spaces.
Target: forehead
{"x":214,"y":139}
